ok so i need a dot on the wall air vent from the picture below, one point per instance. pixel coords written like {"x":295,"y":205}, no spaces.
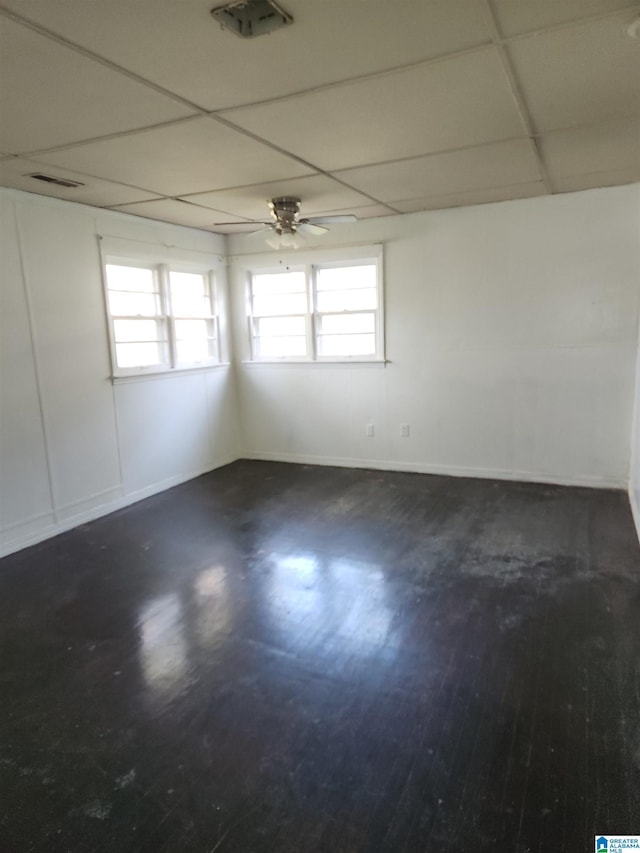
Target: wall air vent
{"x":249,"y":18}
{"x":60,"y":182}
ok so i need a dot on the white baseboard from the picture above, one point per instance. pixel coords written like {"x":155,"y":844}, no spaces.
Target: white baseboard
{"x":444,"y":470}
{"x":20,"y":535}
{"x":85,"y":505}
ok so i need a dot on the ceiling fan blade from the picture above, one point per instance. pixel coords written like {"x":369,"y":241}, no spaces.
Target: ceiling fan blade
{"x":329,"y":220}
{"x":243,"y":222}
{"x":306,"y":227}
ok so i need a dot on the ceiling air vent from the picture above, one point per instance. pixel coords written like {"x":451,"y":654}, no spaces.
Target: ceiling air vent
{"x":60,"y":182}
{"x":249,"y":18}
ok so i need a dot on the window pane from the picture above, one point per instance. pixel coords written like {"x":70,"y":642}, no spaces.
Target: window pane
{"x":266,"y":284}
{"x":189,"y":294}
{"x":267,"y":326}
{"x":347,"y":300}
{"x":188,"y":330}
{"x":129,"y":304}
{"x":140,"y":355}
{"x":345,"y":345}
{"x":137,"y":330}
{"x":190,"y":351}
{"x":290,"y":303}
{"x":187,"y":306}
{"x":195,"y":340}
{"x":130,"y":278}
{"x":345,"y":323}
{"x":281,"y":347}
{"x":337,"y":278}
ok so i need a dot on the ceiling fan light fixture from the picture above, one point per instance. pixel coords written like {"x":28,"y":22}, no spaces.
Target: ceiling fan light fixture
{"x":285,"y":240}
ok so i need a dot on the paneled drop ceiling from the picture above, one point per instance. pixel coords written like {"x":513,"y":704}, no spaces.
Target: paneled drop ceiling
{"x":373,"y":107}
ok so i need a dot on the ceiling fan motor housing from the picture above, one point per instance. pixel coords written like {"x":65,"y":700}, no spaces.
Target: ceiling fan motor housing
{"x":286,"y":213}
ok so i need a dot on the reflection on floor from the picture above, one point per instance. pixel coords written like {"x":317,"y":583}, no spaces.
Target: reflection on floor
{"x":285,"y":658}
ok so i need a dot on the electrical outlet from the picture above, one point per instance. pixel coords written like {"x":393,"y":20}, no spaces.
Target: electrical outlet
{"x":369,"y":430}
{"x":404,"y":430}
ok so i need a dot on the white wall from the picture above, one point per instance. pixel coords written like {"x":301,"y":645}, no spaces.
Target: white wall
{"x":72,"y":444}
{"x":512,"y":335}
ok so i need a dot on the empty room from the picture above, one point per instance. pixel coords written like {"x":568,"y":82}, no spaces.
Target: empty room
{"x":319,"y":426}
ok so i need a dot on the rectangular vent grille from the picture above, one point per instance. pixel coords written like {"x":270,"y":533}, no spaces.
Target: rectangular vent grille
{"x":249,"y":18}
{"x":60,"y":182}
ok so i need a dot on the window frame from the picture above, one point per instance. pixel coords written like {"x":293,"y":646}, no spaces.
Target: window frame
{"x":253,"y":318}
{"x":310,"y":263}
{"x":162,"y":261}
{"x":160,"y":318}
{"x":212,"y":318}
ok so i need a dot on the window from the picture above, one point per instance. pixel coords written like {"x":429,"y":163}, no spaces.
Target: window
{"x":328,"y":311}
{"x":279,"y":314}
{"x":194,"y":323}
{"x":139,"y":327}
{"x":346,"y":301}
{"x":162,"y":316}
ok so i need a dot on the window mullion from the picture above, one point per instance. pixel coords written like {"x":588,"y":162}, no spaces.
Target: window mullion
{"x":165,"y":290}
{"x":217,"y":355}
{"x":312,"y":324}
{"x":212,"y":293}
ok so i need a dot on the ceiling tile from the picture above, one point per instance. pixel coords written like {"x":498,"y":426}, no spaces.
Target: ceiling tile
{"x":581,"y":82}
{"x":52,"y":95}
{"x":179,"y":46}
{"x":245,"y":228}
{"x":500,"y":164}
{"x":593,"y":148}
{"x":317,"y":192}
{"x":485,"y":196}
{"x":170,"y":210}
{"x":453,"y":103}
{"x":579,"y":75}
{"x":611,"y":178}
{"x":524,"y":17}
{"x":195,"y":155}
{"x":15,"y":173}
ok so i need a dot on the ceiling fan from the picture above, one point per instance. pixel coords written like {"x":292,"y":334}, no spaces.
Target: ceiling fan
{"x":286,"y":225}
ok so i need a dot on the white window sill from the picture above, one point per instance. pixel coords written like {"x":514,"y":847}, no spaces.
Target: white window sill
{"x":167,"y":374}
{"x":342,"y":362}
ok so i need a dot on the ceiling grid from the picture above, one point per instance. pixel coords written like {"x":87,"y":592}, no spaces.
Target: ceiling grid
{"x":449,"y":104}
{"x":515,"y":89}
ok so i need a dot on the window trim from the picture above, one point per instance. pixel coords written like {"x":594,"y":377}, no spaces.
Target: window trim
{"x":162,"y":260}
{"x":310,"y":262}
{"x":212,"y":318}
{"x":251,"y":317}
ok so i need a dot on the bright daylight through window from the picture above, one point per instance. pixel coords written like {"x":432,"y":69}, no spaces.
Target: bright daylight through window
{"x":318,"y":312}
{"x":160,"y":318}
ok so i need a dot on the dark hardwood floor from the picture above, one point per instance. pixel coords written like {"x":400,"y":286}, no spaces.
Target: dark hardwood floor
{"x":287,"y":658}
